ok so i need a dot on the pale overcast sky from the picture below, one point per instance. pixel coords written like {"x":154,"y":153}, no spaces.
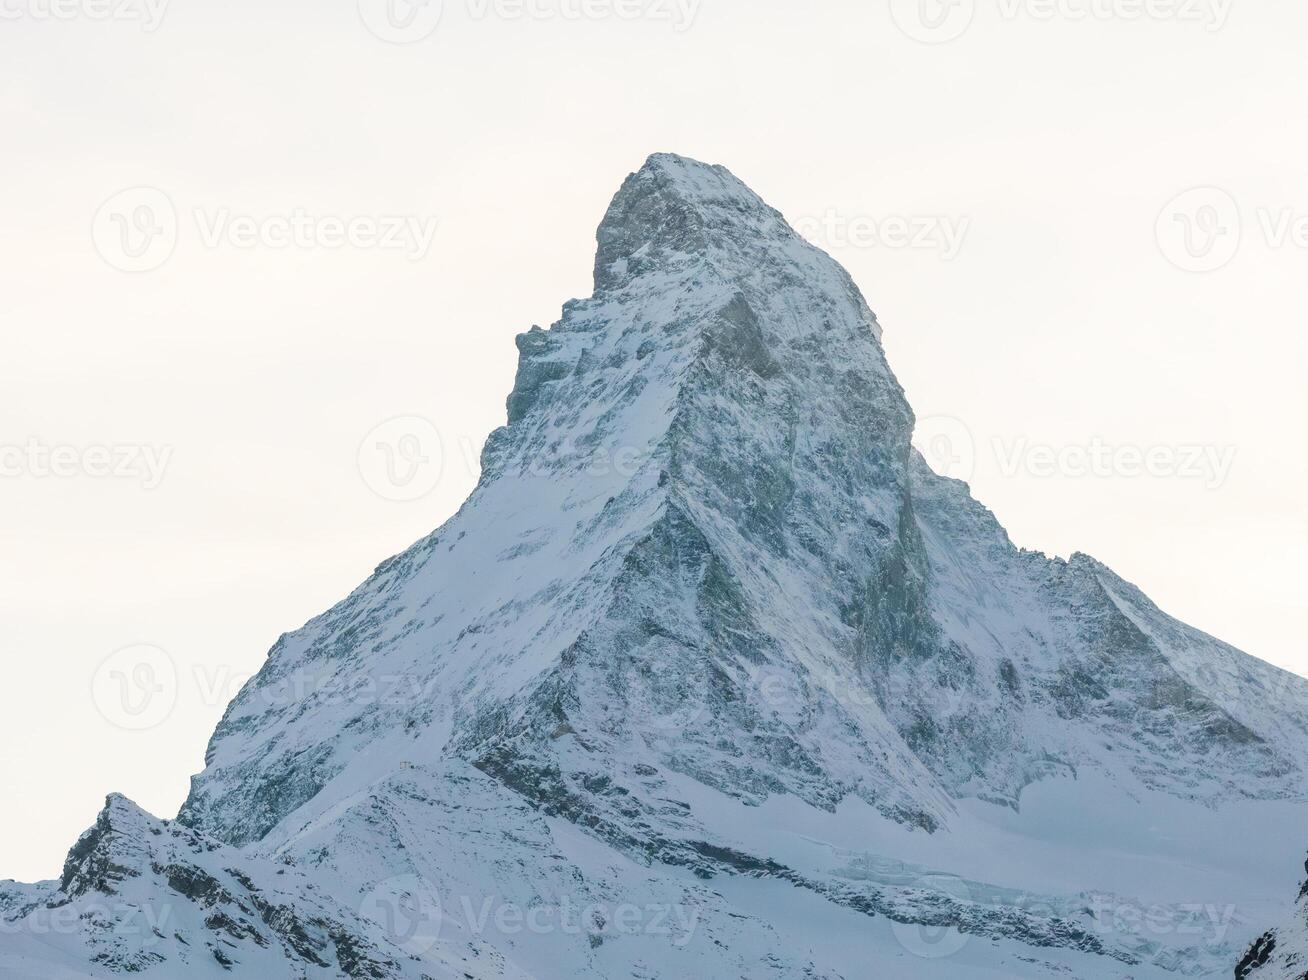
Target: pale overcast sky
{"x":1113,"y":357}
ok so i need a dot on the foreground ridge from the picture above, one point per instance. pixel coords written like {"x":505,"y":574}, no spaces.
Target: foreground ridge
{"x":1280,"y":953}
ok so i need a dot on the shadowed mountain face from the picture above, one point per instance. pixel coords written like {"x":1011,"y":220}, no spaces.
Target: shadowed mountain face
{"x":708,"y":617}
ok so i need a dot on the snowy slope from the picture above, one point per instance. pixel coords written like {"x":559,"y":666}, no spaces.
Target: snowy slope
{"x":713,"y":660}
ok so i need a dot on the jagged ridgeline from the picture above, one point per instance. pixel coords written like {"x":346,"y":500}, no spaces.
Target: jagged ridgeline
{"x":711,"y":642}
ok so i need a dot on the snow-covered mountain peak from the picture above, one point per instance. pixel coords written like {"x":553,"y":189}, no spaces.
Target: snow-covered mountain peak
{"x":706,"y":478}
{"x":674,"y":206}
{"x":109,"y":851}
{"x":677,"y":215}
{"x":707,"y":615}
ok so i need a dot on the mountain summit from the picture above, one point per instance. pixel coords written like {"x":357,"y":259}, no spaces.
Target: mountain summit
{"x":711,"y":645}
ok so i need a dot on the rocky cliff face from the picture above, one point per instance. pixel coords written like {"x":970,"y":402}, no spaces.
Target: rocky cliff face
{"x":709,"y":618}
